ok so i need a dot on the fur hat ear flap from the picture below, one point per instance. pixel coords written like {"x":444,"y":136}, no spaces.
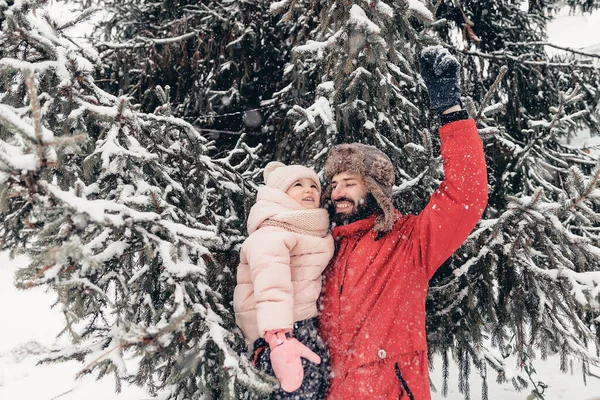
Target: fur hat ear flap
{"x":272,"y":166}
{"x":385,"y":221}
{"x":383,"y":172}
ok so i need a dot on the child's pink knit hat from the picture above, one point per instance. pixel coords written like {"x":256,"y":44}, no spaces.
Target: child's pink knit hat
{"x":280,"y":176}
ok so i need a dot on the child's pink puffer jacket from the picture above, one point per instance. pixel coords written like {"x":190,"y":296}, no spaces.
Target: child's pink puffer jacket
{"x":281,"y":263}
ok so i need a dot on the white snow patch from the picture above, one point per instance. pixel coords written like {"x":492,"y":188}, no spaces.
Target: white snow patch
{"x":358,"y":17}
{"x":577,"y":31}
{"x":385,"y":9}
{"x":418,"y":8}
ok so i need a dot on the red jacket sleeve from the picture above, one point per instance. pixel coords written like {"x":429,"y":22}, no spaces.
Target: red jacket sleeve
{"x":456,"y":206}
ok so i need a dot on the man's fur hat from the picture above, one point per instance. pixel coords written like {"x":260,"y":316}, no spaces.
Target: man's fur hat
{"x":377,"y":171}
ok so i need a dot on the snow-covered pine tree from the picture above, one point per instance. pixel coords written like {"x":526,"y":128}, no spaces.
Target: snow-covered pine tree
{"x":219,"y":58}
{"x":358,"y":73}
{"x":126,"y":215}
{"x":528,"y":280}
{"x":534,"y":257}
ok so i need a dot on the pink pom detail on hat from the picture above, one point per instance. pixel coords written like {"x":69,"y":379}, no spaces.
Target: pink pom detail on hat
{"x":280,"y":176}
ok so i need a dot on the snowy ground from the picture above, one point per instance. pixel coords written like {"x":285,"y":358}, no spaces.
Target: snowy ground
{"x":28,"y":325}
{"x":578,"y":31}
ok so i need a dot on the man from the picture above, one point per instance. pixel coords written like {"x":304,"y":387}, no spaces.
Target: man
{"x":373,"y":304}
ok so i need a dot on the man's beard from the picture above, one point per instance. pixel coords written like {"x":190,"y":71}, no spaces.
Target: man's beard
{"x":362,"y":210}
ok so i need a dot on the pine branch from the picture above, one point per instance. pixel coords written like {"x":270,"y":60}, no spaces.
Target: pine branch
{"x":149,"y":339}
{"x":87,"y":368}
{"x":40,"y":273}
{"x":62,"y":394}
{"x":569,"y":49}
{"x":141,"y":42}
{"x":564,"y":99}
{"x":205,"y":10}
{"x":591,"y":187}
{"x":436,"y":6}
{"x":35,"y":108}
{"x":81,"y":17}
{"x":155,"y":202}
{"x":519,"y":60}
{"x":490,"y":92}
{"x":593,"y":375}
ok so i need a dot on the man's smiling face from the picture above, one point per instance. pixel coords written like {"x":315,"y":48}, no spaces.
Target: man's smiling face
{"x":348,"y":193}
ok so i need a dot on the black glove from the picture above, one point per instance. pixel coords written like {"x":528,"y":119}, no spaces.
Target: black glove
{"x":439,"y":70}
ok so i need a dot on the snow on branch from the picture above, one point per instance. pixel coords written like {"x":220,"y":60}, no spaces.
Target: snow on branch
{"x":145,"y":42}
{"x":420,"y":11}
{"x":124,"y":214}
{"x":279,"y":6}
{"x":16,"y":124}
{"x":320,"y":111}
{"x":313,"y":46}
{"x":359,"y":20}
{"x":521,"y":60}
{"x":568,"y":49}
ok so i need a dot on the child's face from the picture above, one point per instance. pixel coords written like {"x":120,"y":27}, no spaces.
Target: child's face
{"x":305,"y":192}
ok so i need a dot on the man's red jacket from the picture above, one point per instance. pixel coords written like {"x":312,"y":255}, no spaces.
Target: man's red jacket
{"x":373,"y":306}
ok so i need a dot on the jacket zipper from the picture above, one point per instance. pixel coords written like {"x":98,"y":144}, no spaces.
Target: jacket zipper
{"x":403,"y":385}
{"x":344,"y":271}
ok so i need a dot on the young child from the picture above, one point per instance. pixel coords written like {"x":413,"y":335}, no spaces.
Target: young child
{"x":279,"y":281}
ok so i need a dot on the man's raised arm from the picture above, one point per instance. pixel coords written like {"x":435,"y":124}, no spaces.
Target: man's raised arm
{"x":457,"y":205}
